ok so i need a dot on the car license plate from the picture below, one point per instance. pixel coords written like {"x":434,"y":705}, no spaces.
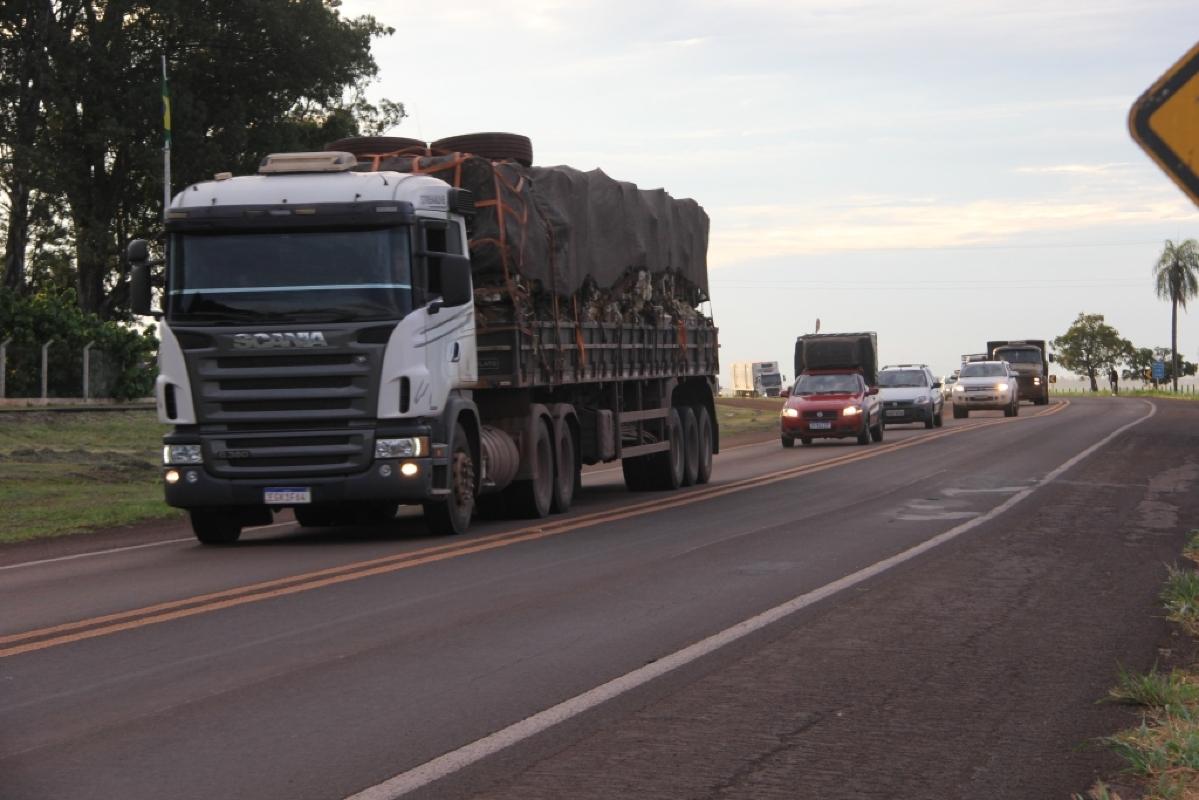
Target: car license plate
{"x":286,"y":495}
{"x":895,"y":412}
{"x":820,"y":426}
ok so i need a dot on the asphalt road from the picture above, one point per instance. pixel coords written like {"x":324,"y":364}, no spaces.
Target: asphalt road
{"x":934,"y":616}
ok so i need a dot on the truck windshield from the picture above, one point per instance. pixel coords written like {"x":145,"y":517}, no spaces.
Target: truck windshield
{"x":771,"y":379}
{"x":1028,"y":355}
{"x":983,"y":369}
{"x":295,"y":276}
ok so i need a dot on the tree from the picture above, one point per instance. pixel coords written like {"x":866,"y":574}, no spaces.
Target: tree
{"x":1176,"y":278}
{"x":1140,"y":365}
{"x":247,"y":78}
{"x":1091,"y":346}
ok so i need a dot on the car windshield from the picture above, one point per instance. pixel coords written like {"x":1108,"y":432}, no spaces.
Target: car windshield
{"x":294,"y":276}
{"x":1027,"y":355}
{"x":827,"y":384}
{"x":983,"y":369}
{"x":901,"y":377}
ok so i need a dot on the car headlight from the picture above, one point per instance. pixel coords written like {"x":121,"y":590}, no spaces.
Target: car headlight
{"x":959,"y":388}
{"x":407,"y":447}
{"x":922,"y":400}
{"x":851,"y":411}
{"x":1003,"y":387}
{"x":791,"y":413}
{"x":181,"y":454}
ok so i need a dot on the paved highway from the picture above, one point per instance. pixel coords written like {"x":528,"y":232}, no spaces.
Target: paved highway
{"x":933,"y":616}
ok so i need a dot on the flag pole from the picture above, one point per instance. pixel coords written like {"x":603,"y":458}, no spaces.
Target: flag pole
{"x":166,"y":141}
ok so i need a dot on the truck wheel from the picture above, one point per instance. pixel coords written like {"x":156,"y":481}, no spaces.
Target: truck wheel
{"x":566,"y":471}
{"x":960,"y":413}
{"x":636,"y":473}
{"x":667,"y":469}
{"x":690,"y":430}
{"x":703,"y":424}
{"x":1016,"y":409}
{"x":788,"y":441}
{"x":533,"y":498}
{"x":451,"y":516}
{"x":215,"y":526}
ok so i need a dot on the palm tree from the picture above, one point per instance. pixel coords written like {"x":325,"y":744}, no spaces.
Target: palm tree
{"x":1176,"y":278}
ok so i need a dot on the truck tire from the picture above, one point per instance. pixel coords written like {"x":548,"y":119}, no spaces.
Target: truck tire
{"x":375,"y":145}
{"x":215,"y":526}
{"x":690,"y":430}
{"x":668,"y":466}
{"x":493,"y":146}
{"x":451,"y":516}
{"x":960,"y":413}
{"x":566,"y":470}
{"x":533,"y":498}
{"x":636,"y":473}
{"x":703,"y":424}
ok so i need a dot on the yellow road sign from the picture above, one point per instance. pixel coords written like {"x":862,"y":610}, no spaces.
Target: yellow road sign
{"x":1165,"y":122}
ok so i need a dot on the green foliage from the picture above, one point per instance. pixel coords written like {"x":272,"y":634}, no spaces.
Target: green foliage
{"x":1140,"y":365}
{"x":1090,"y":347}
{"x":30,"y":321}
{"x":1176,"y":273}
{"x":245,"y":79}
{"x":1154,"y":689}
{"x":1180,"y":596}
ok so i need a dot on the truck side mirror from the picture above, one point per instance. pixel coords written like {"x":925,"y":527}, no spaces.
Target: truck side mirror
{"x":936,"y":384}
{"x":455,"y":281}
{"x":1051,"y":359}
{"x":138,"y":255}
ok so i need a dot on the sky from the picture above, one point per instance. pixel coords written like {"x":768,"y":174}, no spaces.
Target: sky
{"x":943,"y":173}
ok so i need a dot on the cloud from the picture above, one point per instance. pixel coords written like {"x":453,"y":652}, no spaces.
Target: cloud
{"x":749,"y":233}
{"x":1076,"y":169}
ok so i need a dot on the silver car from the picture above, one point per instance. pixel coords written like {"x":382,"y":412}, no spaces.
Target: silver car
{"x":986,"y":385}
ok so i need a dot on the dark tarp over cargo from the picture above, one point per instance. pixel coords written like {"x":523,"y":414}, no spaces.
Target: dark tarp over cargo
{"x":857,"y":351}
{"x":555,"y":233}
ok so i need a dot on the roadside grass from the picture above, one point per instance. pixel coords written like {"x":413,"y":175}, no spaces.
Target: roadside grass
{"x":68,"y":473}
{"x":1162,"y":753}
{"x":1162,"y":393}
{"x":735,"y":420}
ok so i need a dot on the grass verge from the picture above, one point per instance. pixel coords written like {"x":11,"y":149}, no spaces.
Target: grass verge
{"x":1162,"y":753}
{"x":736,"y":420}
{"x":68,"y":473}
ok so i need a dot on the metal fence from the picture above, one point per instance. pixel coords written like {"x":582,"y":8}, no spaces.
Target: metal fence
{"x":53,"y":369}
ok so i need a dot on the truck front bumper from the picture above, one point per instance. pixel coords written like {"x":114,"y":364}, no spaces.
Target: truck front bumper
{"x":194,"y":487}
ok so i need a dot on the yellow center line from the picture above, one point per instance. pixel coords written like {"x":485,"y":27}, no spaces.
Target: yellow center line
{"x":294,"y":584}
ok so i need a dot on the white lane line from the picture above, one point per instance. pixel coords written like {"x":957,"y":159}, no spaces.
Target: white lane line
{"x":455,"y":760}
{"x":126,"y":548}
{"x":998,"y":490}
{"x":938,"y":515}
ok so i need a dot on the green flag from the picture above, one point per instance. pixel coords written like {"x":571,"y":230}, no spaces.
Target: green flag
{"x":166,"y":109}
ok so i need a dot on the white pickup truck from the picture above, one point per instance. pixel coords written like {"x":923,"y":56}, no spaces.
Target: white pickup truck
{"x":986,"y":385}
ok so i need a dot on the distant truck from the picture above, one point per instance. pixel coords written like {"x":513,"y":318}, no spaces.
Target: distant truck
{"x":1030,"y":361}
{"x":352,"y":330}
{"x":836,"y":390}
{"x":757,"y":379}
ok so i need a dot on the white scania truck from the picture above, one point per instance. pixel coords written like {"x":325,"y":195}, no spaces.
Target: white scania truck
{"x":336,"y":340}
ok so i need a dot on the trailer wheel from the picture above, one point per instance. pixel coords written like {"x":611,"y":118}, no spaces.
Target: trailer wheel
{"x":636,"y":473}
{"x":667,"y":467}
{"x":703,"y":424}
{"x":452,"y":515}
{"x":533,"y":498}
{"x":690,"y":431}
{"x":215,"y":526}
{"x":566,"y":471}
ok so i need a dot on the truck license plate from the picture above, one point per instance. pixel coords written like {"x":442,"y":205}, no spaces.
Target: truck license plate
{"x":895,"y":412}
{"x":286,"y":495}
{"x":820,"y":426}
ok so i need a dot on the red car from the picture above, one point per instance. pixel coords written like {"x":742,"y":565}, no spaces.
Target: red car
{"x":831,"y":404}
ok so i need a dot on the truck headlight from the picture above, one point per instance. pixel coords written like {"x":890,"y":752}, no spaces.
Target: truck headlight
{"x":407,"y":447}
{"x":957,"y":389}
{"x":791,"y":413}
{"x":173,"y":454}
{"x":851,"y":411}
{"x":1002,"y":387}
{"x":1036,"y":381}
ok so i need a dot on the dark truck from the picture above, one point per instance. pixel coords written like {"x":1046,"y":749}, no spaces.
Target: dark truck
{"x":1030,"y":360}
{"x":443,"y":325}
{"x":835,"y":394}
